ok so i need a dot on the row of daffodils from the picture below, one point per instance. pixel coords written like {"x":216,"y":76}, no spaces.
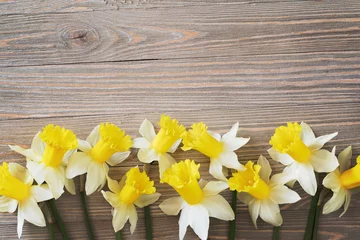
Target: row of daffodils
{"x":56,"y":156}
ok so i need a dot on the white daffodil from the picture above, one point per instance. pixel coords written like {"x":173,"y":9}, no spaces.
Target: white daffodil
{"x":296,"y":147}
{"x":155,"y":147}
{"x":106,"y":144}
{"x":261,"y":193}
{"x":134,"y":189}
{"x":17,"y":191}
{"x":48,"y":156}
{"x":343,"y":182}
{"x":198,"y":200}
{"x":219,"y":149}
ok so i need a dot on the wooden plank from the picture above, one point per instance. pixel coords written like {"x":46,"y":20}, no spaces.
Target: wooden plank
{"x":170,"y":33}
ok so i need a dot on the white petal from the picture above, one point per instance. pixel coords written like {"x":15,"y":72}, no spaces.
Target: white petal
{"x":230,"y":135}
{"x":216,"y":170}
{"x":214,"y":187}
{"x":20,"y":224}
{"x":335,"y":202}
{"x":37,"y":170}
{"x":20,"y":173}
{"x":307,"y":135}
{"x":244,"y":197}
{"x":165,"y":161}
{"x":113,"y":185}
{"x":184,"y":221}
{"x":230,"y":160}
{"x":320,"y":141}
{"x":270,"y":212}
{"x":347,"y":202}
{"x":117,"y":158}
{"x":147,"y":130}
{"x":199,"y":221}
{"x":175,"y":145}
{"x":94,"y":136}
{"x":120,"y":217}
{"x":28,"y":153}
{"x":279,"y":157}
{"x":218,"y":207}
{"x":306,"y":178}
{"x":345,"y":159}
{"x":8,"y":204}
{"x":283,"y":195}
{"x":133,"y":218}
{"x":67,"y":155}
{"x":202,"y":183}
{"x":78,"y":164}
{"x":254,"y":209}
{"x":95,"y":177}
{"x":215,"y":135}
{"x":41,"y":192}
{"x":323,"y":161}
{"x":111,"y":198}
{"x":146,"y":155}
{"x":332,"y":181}
{"x":84,"y":145}
{"x":236,"y":143}
{"x":31,"y":212}
{"x":141,"y":143}
{"x":70,"y":186}
{"x":172,"y":206}
{"x":289,"y":174}
{"x":55,"y":181}
{"x":265,"y":170}
{"x":147,"y":199}
{"x":37,"y":145}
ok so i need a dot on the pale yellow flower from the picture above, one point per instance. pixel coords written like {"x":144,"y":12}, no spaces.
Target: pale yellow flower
{"x":134,"y":189}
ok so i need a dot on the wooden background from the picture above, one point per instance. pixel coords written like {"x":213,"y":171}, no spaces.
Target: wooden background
{"x":78,"y":63}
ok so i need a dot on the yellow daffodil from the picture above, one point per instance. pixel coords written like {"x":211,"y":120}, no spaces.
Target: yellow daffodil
{"x":134,"y":189}
{"x":17,"y":191}
{"x":261,"y":193}
{"x":155,"y":147}
{"x":198,"y":200}
{"x":219,"y":149}
{"x":48,"y":156}
{"x":343,"y":182}
{"x":106,"y":144}
{"x":296,"y":147}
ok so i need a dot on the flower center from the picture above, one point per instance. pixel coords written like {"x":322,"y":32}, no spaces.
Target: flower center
{"x":249,"y":181}
{"x":169,"y":133}
{"x":198,"y":138}
{"x":287,"y":140}
{"x":12,"y":187}
{"x":351,"y":178}
{"x":183,"y":178}
{"x":58,"y":141}
{"x":112,"y":140}
{"x":136,"y":184}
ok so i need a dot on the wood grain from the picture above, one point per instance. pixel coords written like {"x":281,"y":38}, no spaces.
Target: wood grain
{"x":78,"y":63}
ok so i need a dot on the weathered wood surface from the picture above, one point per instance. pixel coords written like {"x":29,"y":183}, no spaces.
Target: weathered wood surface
{"x":81,"y":62}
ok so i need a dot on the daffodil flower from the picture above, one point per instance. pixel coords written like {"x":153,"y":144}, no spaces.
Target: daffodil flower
{"x":106,"y":144}
{"x":17,"y":191}
{"x":343,"y":182}
{"x":48,"y":156}
{"x":134,"y":189}
{"x":219,"y":149}
{"x":261,"y":193}
{"x":198,"y":200}
{"x":155,"y":147}
{"x":296,"y":147}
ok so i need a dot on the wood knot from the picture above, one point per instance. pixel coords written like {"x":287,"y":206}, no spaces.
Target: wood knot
{"x":78,"y":36}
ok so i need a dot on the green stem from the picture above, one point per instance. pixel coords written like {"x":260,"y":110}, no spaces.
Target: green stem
{"x":118,"y":235}
{"x":52,"y":231}
{"x":148,"y":223}
{"x":58,"y":219}
{"x":86,"y":216}
{"x":311,"y":217}
{"x":316,"y":222}
{"x":276,"y":233}
{"x":232,"y":234}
